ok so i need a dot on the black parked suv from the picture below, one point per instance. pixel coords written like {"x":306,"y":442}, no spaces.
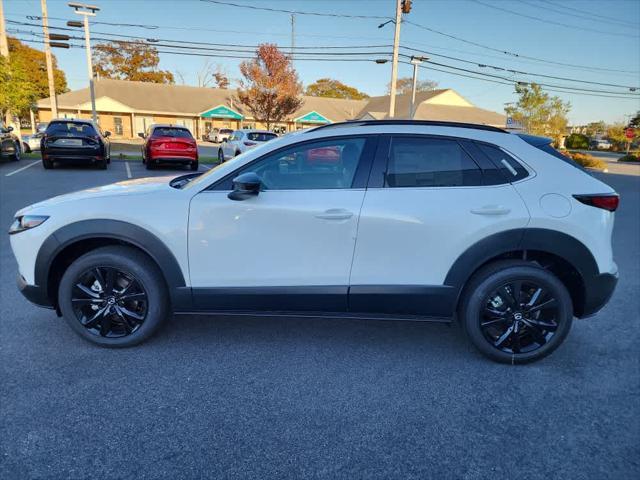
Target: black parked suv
{"x":9,"y":144}
{"x":73,"y":140}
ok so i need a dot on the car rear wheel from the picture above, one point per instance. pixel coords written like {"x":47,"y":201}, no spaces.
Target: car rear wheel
{"x":220,"y":156}
{"x":194,"y":165}
{"x":516,"y":312}
{"x":102,"y":164}
{"x":47,"y":164}
{"x":114,"y":296}
{"x":149,"y":165}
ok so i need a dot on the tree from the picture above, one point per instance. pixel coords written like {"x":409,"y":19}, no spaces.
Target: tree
{"x":124,"y":60}
{"x":330,"y":88}
{"x":616,"y":134}
{"x":24,"y":79}
{"x":405,"y":85}
{"x":270,"y":88}
{"x":596,"y":128}
{"x":635,"y":121}
{"x":539,"y":113}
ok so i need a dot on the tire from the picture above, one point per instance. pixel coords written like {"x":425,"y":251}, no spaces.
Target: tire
{"x":102,"y":164}
{"x":237,"y":153}
{"x":149,"y":165}
{"x":220,"y":156}
{"x":486,"y":301}
{"x":146,"y":280}
{"x":47,"y":164}
{"x":194,"y":165}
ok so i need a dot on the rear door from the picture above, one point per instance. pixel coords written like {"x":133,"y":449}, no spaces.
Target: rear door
{"x":428,"y":201}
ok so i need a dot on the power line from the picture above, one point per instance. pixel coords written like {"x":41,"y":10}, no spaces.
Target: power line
{"x":520,"y":72}
{"x":585,"y":14}
{"x":513,"y":54}
{"x":295,"y":12}
{"x":552,"y":22}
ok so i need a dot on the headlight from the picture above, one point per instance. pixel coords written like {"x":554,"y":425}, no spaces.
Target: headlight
{"x":25,"y":222}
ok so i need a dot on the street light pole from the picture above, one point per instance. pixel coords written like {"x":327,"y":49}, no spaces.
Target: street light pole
{"x":394,"y":65}
{"x":47,"y":54}
{"x":415,"y":61}
{"x":88,"y":11}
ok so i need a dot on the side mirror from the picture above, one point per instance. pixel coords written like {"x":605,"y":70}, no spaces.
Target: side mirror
{"x":141,"y":135}
{"x":245,"y":186}
{"x":107,"y":133}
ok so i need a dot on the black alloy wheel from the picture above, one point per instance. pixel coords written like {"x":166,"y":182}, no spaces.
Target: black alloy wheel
{"x":519,"y":317}
{"x":515,"y":311}
{"x":109,"y":302}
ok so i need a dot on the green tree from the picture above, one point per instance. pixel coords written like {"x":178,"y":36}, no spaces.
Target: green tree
{"x":577,"y":140}
{"x":635,"y":121}
{"x":270,"y":88}
{"x":330,"y":88}
{"x":539,"y":113}
{"x":124,"y":60}
{"x":405,"y":84}
{"x":23,"y":79}
{"x":596,"y":128}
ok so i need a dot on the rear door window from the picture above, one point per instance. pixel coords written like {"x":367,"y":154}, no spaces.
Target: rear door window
{"x":70,"y":129}
{"x":430,"y":162}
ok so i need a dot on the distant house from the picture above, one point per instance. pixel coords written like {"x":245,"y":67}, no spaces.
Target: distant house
{"x":128,"y":108}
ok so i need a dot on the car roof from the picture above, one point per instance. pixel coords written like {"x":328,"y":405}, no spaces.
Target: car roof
{"x":167,"y":125}
{"x":253,"y":130}
{"x":72,"y":120}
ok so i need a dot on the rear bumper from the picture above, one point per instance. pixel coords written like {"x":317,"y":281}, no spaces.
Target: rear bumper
{"x":58,"y":154}
{"x":173,"y":159}
{"x":33,"y":293}
{"x":598,"y":291}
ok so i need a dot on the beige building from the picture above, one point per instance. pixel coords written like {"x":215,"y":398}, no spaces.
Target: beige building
{"x":127,"y":108}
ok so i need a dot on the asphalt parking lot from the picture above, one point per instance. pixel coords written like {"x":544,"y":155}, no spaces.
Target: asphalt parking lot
{"x":234,"y":397}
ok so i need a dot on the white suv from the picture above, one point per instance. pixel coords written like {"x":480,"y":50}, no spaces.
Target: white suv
{"x":242,"y":140}
{"x":376,"y":219}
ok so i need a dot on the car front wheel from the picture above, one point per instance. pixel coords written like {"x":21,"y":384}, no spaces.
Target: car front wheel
{"x":516,"y":312}
{"x":114,"y":296}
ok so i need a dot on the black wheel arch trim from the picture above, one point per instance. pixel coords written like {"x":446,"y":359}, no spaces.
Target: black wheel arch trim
{"x":552,"y":242}
{"x":112,"y":230}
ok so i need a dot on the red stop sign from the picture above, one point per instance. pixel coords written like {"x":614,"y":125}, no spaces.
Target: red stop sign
{"x":629,"y":132}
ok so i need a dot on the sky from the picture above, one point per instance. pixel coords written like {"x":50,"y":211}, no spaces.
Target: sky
{"x":589,"y":40}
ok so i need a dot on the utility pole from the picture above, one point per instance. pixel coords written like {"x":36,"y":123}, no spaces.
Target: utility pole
{"x":415,"y":61}
{"x":394,"y":65}
{"x":4,"y":51}
{"x":47,"y":55}
{"x":293,"y":35}
{"x":88,"y":11}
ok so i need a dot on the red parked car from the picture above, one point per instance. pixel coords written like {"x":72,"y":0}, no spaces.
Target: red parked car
{"x":169,"y":144}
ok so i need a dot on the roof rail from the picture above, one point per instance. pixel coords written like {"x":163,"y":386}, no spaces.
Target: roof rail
{"x":426,"y":123}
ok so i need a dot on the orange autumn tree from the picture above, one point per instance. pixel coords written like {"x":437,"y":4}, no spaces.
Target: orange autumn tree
{"x":270,"y":88}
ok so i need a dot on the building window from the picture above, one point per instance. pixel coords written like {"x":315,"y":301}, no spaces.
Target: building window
{"x":117,"y":125}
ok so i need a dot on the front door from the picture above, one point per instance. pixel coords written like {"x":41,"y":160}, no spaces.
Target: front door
{"x":290,"y":247}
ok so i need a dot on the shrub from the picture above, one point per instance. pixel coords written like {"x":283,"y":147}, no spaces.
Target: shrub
{"x":577,"y":140}
{"x":589,"y":161}
{"x":629,"y":158}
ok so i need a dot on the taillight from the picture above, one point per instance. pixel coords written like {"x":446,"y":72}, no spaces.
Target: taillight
{"x":607,"y":201}
{"x":249,"y":144}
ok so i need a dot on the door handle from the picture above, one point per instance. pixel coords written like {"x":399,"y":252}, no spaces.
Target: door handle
{"x":491,"y":210}
{"x":335,"y":214}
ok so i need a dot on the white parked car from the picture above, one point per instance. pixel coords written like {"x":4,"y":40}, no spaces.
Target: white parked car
{"x":242,"y":140}
{"x":219,"y":135}
{"x":31,"y":143}
{"x":376,"y":219}
{"x":603,"y":145}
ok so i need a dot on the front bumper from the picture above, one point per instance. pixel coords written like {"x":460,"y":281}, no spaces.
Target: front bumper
{"x":33,"y":293}
{"x":598,"y":291}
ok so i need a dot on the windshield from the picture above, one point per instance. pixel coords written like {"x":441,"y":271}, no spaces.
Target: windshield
{"x":261,"y":136}
{"x":70,"y":129}
{"x":171,"y":132}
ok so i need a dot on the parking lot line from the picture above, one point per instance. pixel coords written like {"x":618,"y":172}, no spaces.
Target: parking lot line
{"x":22,"y":168}
{"x":126,"y":164}
{"x":204,"y":166}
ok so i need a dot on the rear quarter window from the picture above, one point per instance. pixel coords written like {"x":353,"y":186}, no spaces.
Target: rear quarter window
{"x":260,"y":136}
{"x":510,"y":169}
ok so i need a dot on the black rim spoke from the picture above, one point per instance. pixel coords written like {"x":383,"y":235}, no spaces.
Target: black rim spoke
{"x":519,"y":317}
{"x":109,"y":302}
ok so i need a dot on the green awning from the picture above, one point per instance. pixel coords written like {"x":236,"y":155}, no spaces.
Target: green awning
{"x":312,"y":117}
{"x":222,"y":112}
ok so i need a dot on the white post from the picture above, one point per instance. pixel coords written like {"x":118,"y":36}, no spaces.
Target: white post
{"x":87,"y":40}
{"x":47,"y":54}
{"x":394,"y":65}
